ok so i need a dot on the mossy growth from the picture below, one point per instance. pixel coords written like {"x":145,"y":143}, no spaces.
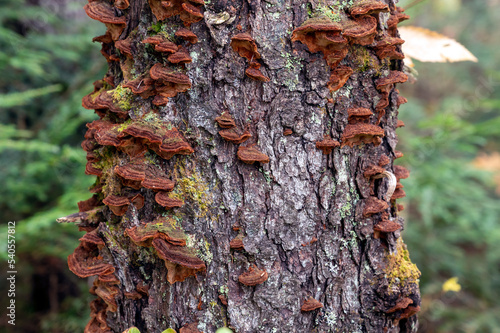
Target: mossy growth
{"x":364,"y":60}
{"x":334,"y":12}
{"x":122,"y":96}
{"x":191,"y":187}
{"x":399,"y":269}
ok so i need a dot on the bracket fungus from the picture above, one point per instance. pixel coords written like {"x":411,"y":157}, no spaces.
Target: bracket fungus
{"x":253,"y":276}
{"x":339,"y":77}
{"x":361,"y":31}
{"x":368,"y":7}
{"x":189,"y":12}
{"x":311,"y":304}
{"x":358,"y":115}
{"x":401,"y":172}
{"x":165,"y":200}
{"x":323,"y":35}
{"x":225,"y":120}
{"x":237,"y":243}
{"x":156,"y":180}
{"x":122,"y":4}
{"x":387,"y":47}
{"x":235,"y":135}
{"x":401,"y":304}
{"x":161,"y":44}
{"x":250,"y":155}
{"x":361,"y":133}
{"x":187,"y":35}
{"x":254,"y":73}
{"x":145,"y":233}
{"x":181,"y":262}
{"x":374,"y":205}
{"x":397,"y":16}
{"x":85,"y":261}
{"x":327,"y":145}
{"x":245,"y":46}
{"x":180,"y":57}
{"x":102,"y":11}
{"x":387,"y":226}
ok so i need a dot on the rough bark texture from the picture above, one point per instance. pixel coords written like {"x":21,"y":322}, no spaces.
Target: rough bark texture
{"x":300,"y":217}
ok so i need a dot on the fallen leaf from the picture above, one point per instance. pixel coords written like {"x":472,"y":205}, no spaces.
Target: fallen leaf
{"x":429,"y":46}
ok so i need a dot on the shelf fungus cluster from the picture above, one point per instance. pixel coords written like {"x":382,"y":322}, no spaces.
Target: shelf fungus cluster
{"x":127,"y":150}
{"x":232,"y":133}
{"x":359,"y":27}
{"x":245,"y":46}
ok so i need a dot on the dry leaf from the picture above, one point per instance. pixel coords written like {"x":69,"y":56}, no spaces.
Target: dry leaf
{"x":429,"y":46}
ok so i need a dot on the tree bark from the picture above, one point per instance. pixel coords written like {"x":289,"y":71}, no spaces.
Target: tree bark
{"x":301,"y":217}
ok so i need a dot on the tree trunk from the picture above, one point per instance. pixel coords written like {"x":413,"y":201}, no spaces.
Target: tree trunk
{"x":317,"y":221}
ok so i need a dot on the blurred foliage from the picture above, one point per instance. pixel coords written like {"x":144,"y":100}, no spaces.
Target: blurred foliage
{"x":48,"y":63}
{"x":452,"y":211}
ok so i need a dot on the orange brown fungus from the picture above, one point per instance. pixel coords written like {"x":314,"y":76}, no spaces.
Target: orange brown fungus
{"x":161,"y":44}
{"x":117,"y":204}
{"x":181,"y":262}
{"x":143,"y":86}
{"x":237,"y":243}
{"x":125,"y":47}
{"x":387,"y":47}
{"x":384,"y":160}
{"x":225,"y":120}
{"x":173,"y":143}
{"x":245,"y":46}
{"x":256,"y":74}
{"x":180,"y":57}
{"x":396,"y":17}
{"x":122,"y":4}
{"x":97,"y":322}
{"x":168,"y":82}
{"x":368,"y":7}
{"x":253,"y":276}
{"x":144,"y":234}
{"x":339,"y":77}
{"x":398,"y":194}
{"x":235,"y":135}
{"x":400,"y":123}
{"x":361,"y":133}
{"x":157,"y":180}
{"x":287,"y":131}
{"x":311,"y":304}
{"x":101,"y":11}
{"x":89,"y":204}
{"x":107,"y":291}
{"x":361,"y":31}
{"x":373,"y":205}
{"x":188,"y":12}
{"x":250,"y":155}
{"x":410,"y":311}
{"x":401,"y":172}
{"x":90,"y":169}
{"x":163,"y":199}
{"x":387,"y":226}
{"x":400,"y":305}
{"x":327,"y":145}
{"x":323,"y":36}
{"x":187,"y":35}
{"x":398,"y":154}
{"x":385,"y":85}
{"x":85,"y":261}
{"x":358,"y":115}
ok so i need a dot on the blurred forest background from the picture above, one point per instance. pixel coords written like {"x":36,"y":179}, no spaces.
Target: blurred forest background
{"x":451,"y":145}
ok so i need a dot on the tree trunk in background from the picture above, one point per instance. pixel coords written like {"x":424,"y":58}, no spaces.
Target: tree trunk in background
{"x":305,"y":218}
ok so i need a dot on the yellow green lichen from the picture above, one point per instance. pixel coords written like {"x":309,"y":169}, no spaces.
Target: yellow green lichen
{"x":122,"y":96}
{"x":191,"y":187}
{"x":399,"y":269}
